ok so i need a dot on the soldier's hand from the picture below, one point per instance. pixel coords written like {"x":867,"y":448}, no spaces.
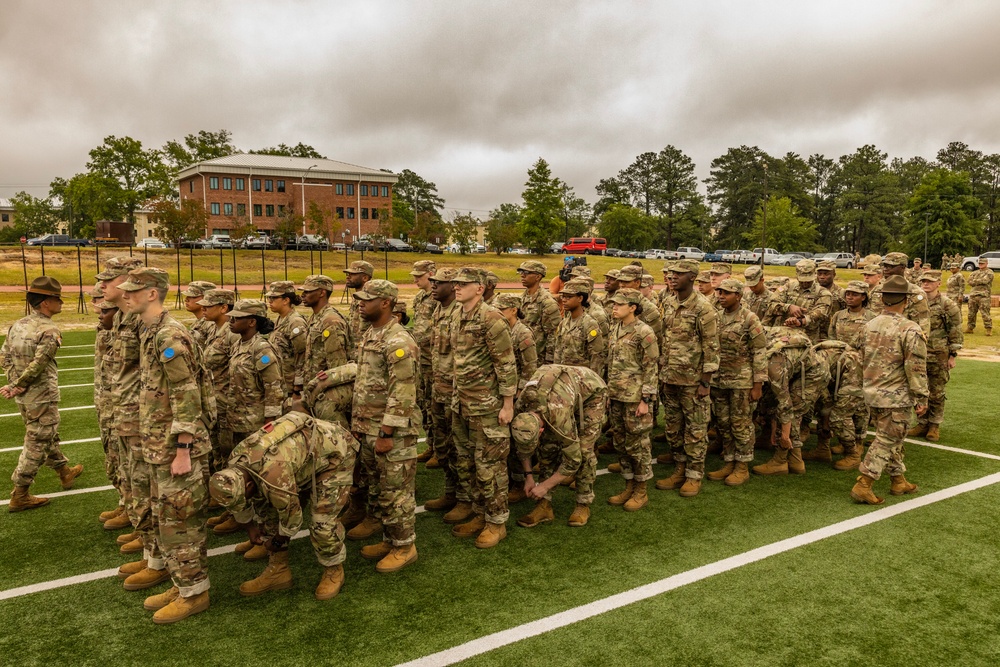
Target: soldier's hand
{"x":181,"y":465}
{"x":642,"y":410}
{"x":529,"y":484}
{"x":796,"y":311}
{"x":506,"y":415}
{"x":951,"y":362}
{"x":921,"y":409}
{"x":322,"y":375}
{"x":703,"y":391}
{"x":786,"y":442}
{"x":537,"y":492}
{"x":383,"y":445}
{"x":756,"y":392}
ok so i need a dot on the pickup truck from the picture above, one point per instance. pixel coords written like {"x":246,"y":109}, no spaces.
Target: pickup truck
{"x":769,"y":255}
{"x":718,"y":256}
{"x":685,"y":252}
{"x":992,"y":261}
{"x":57,"y":240}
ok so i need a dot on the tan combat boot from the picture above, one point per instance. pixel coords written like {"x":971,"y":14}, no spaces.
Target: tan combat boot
{"x":255,"y":552}
{"x":675,"y":481}
{"x":425,"y":455}
{"x":216,"y":520}
{"x":665,"y":459}
{"x":516,"y":493}
{"x":125,"y":538}
{"x":181,"y":608}
{"x":460,"y":513}
{"x":969,"y":330}
{"x":837,"y":449}
{"x":21,"y":500}
{"x":989,"y":332}
{"x":442,"y":504}
{"x":376,"y":551}
{"x":778,"y":465}
{"x":128,"y":569}
{"x":606,"y":447}
{"x":145,"y":578}
{"x":118,"y":522}
{"x":67,"y":474}
{"x":725,"y":471}
{"x":432,"y":463}
{"x":580,"y":516}
{"x":356,"y":511}
{"x":227,"y":527}
{"x":741,"y":473}
{"x":491,"y":535}
{"x":470,"y":528}
{"x":615,"y":468}
{"x":638,"y":499}
{"x":161,"y":600}
{"x":330,"y":583}
{"x":690,"y":488}
{"x":133,"y":547}
{"x":623,"y":497}
{"x":851,"y":460}
{"x":275,"y":577}
{"x":796,"y":466}
{"x":821,"y":452}
{"x":243,"y":547}
{"x":933,"y":432}
{"x":918,"y":431}
{"x":901,"y":487}
{"x":540,"y":513}
{"x":111,"y":514}
{"x":862,"y":491}
{"x":365,"y":529}
{"x":397,"y":559}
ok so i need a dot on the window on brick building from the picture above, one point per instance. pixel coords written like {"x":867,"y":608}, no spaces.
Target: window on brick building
{"x":213,"y":183}
{"x":269,"y":185}
{"x":350,"y":188}
{"x":5,"y":217}
{"x":241,"y":209}
{"x":215,"y":208}
{"x":191,"y":185}
{"x":227,"y":184}
{"x":374,"y":214}
{"x":281,"y":209}
{"x":255,"y":184}
{"x":258,"y":210}
{"x":364,"y":214}
{"x":385,"y":190}
{"x":364,"y":190}
{"x":281,"y":186}
{"x":350,"y":213}
{"x":227,"y":209}
{"x":240,"y":184}
{"x":340,"y":188}
{"x":340,"y":212}
{"x":269,"y":210}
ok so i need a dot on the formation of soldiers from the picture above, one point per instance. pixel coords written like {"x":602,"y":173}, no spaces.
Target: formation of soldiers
{"x":259,"y":417}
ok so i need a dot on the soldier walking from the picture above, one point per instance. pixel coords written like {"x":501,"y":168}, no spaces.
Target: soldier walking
{"x":980,"y":295}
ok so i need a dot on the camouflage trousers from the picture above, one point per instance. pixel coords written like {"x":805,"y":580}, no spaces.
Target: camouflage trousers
{"x":444,"y":449}
{"x":178,"y":503}
{"x":938,"y":375}
{"x":630,"y":435}
{"x":222,"y":447}
{"x":482,"y":445}
{"x":849,"y":419}
{"x":392,"y":488}
{"x":804,"y":397}
{"x":733,"y":412}
{"x":41,"y":442}
{"x":980,"y":303}
{"x":886,"y":452}
{"x":115,"y":464}
{"x":550,"y":458}
{"x":685,"y":423}
{"x":425,"y":401}
{"x":139,"y":504}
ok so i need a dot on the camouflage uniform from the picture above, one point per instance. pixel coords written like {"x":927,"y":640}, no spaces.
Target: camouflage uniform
{"x":956,"y":289}
{"x":758,"y":304}
{"x":442,"y":392}
{"x":485,"y":372}
{"x":526,"y":360}
{"x":980,"y":289}
{"x":201,"y":329}
{"x":847,"y":326}
{"x":114,"y":458}
{"x":356,"y":325}
{"x":579,"y":342}
{"x":742,"y":363}
{"x":797,"y":376}
{"x":330,"y":399}
{"x":385,"y":394}
{"x":424,"y":306}
{"x":650,"y":314}
{"x":815,"y":300}
{"x":328,"y":336}
{"x":288,"y":338}
{"x":541,"y":315}
{"x":255,"y":384}
{"x":215,"y":360}
{"x":916,"y":303}
{"x":945,"y":341}
{"x":571,"y":400}
{"x":848,"y":415}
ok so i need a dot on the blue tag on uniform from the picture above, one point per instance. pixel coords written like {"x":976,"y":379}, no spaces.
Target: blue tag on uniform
{"x":169,"y":353}
{"x":265,"y":359}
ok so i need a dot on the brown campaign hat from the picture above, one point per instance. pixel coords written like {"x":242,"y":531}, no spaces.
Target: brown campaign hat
{"x":361,"y":267}
{"x":46,"y":285}
{"x":895,"y":285}
{"x":249,"y":308}
{"x":118,"y":266}
{"x":145,"y":278}
{"x":423,"y":266}
{"x":318,"y":281}
{"x":217,"y":297}
{"x":281,"y":288}
{"x":377,"y":289}
{"x":198,"y":288}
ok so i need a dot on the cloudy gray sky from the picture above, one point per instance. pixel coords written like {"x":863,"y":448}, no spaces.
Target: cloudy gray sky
{"x":470,"y":94}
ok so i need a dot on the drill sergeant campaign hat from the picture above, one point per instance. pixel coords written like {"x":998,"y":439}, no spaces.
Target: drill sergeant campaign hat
{"x":249,"y":308}
{"x":320,"y":281}
{"x":361,"y":267}
{"x":45,"y":285}
{"x":894,"y":290}
{"x":753,"y":275}
{"x":218,"y":297}
{"x":145,"y":278}
{"x":377,"y":289}
{"x":118,"y":266}
{"x":198,"y":288}
{"x":280,"y":288}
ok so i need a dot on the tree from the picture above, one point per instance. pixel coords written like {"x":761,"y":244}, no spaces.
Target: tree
{"x":942,"y":211}
{"x":676,"y":191}
{"x":625,"y":227}
{"x":298,"y":150}
{"x":241,"y":229}
{"x":578,"y":216}
{"x":611,"y":191}
{"x":502,"y":226}
{"x":822,"y":186}
{"x":87,"y":198}
{"x":736,"y":187}
{"x":319,"y":221}
{"x":463,"y":232}
{"x":198,"y":148}
{"x":868,"y":201}
{"x":787,"y":229}
{"x":175,"y":223}
{"x":140,"y":173}
{"x":33,"y":216}
{"x":419,"y":193}
{"x":540,"y":222}
{"x":287,"y":226}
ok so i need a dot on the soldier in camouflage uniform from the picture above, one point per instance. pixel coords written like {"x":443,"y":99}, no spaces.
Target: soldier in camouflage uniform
{"x":329,"y":395}
{"x":176,"y":407}
{"x":848,"y":415}
{"x":559,"y":417}
{"x":328,"y":336}
{"x":847,"y":324}
{"x":482,"y":408}
{"x":358,"y":274}
{"x":720,"y":271}
{"x":895,"y":382}
{"x":981,"y":288}
{"x":703,"y":281}
{"x":596,"y":310}
{"x":215,"y":358}
{"x":268,"y":475}
{"x":424,"y":306}
{"x":540,"y":310}
{"x":113,"y":465}
{"x":739,"y":382}
{"x":956,"y":285}
{"x":28,"y":357}
{"x":630,"y":277}
{"x":756,"y":296}
{"x":826,"y":275}
{"x":610,"y":287}
{"x":894,"y":264}
{"x":201,"y":329}
{"x":386,"y":420}
{"x":805,"y":303}
{"x":579,"y":340}
{"x":916,"y":273}
{"x":289,"y":336}
{"x":945,"y":341}
{"x":255,"y":380}
{"x":632,"y":355}
{"x":490,"y":293}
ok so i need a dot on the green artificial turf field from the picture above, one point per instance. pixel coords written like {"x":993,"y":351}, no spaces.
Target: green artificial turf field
{"x":914,"y":589}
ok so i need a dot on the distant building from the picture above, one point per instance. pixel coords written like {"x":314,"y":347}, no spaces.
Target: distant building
{"x":262,"y":188}
{"x":6,"y":213}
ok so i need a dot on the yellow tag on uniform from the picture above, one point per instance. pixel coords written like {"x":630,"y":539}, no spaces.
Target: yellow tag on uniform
{"x":593,"y":333}
{"x":326,"y":334}
{"x":400,"y":353}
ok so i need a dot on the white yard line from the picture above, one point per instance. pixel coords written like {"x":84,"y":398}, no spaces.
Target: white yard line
{"x":957,"y":450}
{"x":75,"y":370}
{"x":74,"y":356}
{"x":576,"y":614}
{"x":78,"y":407}
{"x":74,"y":386}
{"x":67,"y":347}
{"x":71,"y":492}
{"x":61,"y":443}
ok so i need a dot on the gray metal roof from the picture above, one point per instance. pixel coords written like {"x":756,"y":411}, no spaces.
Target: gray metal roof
{"x":6,"y":203}
{"x":296,"y":166}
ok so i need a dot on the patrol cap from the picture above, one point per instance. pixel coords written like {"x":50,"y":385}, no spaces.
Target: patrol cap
{"x":377,"y":289}
{"x":917,"y":259}
{"x":97,"y":292}
{"x":871,"y":270}
{"x":145,"y":278}
{"x":805,"y":268}
{"x":506,"y":300}
{"x":983,"y":260}
{"x":249,"y":308}
{"x":400,"y":307}
{"x":858,"y":286}
{"x":647,"y":280}
{"x":627,"y":295}
{"x":628,"y":273}
{"x":422,"y":267}
{"x":217,"y":297}
{"x":576,"y":286}
{"x":118,"y":266}
{"x":895,"y":259}
{"x":46,"y":285}
{"x":228,"y":488}
{"x":361,"y":266}
{"x":443,"y":275}
{"x":721,"y":267}
{"x":580,"y":271}
{"x":669,"y":265}
{"x":685,"y":266}
{"x":872,"y":260}
{"x":826,"y":265}
{"x":895,"y":285}
{"x":753,"y":275}
{"x":704,"y":277}
{"x":532,"y":266}
{"x":612,"y":273}
{"x":931,"y":275}
{"x":492,"y":279}
{"x":731,"y":285}
{"x":280,"y":288}
{"x":198,"y":288}
{"x":469,"y":274}
{"x":524,"y":429}
{"x":319,"y":281}
{"x":105,"y":305}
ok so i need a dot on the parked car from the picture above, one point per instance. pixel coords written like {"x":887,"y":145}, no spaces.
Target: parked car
{"x":311,"y":242}
{"x":394,"y":245}
{"x":767,"y":252}
{"x":686,"y":252}
{"x":362,"y":245}
{"x":556,"y":247}
{"x":586,"y":245}
{"x":612,"y":252}
{"x":788,"y":259}
{"x":57,"y":240}
{"x":218,"y":241}
{"x":150,"y":242}
{"x":338,"y":246}
{"x":257,"y":242}
{"x":805,"y":255}
{"x":992,"y":259}
{"x":433,"y":249}
{"x":843,"y":260}
{"x":740,"y":257}
{"x":717,"y":256}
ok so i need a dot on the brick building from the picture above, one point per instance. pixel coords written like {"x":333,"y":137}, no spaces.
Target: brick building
{"x":263,"y":188}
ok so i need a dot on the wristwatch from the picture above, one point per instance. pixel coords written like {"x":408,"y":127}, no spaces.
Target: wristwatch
{"x":383,"y":434}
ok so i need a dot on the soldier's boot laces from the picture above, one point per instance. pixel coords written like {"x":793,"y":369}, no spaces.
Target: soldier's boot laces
{"x":778,"y":465}
{"x":376,"y":551}
{"x":470,"y":528}
{"x":725,"y":471}
{"x":230,"y":525}
{"x":111,"y":514}
{"x":442,"y":504}
{"x":491,"y":535}
{"x":739,"y":476}
{"x":128,"y":569}
{"x":623,"y":497}
{"x":161,"y":600}
{"x":933,"y":432}
{"x":821,"y":452}
{"x":918,"y":431}
{"x":365,"y":529}
{"x":255,"y":552}
{"x":125,"y":538}
{"x":21,"y":500}
{"x":540,"y":513}
{"x":580,"y":516}
{"x":275,"y":577}
{"x":460,"y":513}
{"x":690,"y":488}
{"x":181,"y":608}
{"x":397,"y":559}
{"x":676,"y":480}
{"x":901,"y":487}
{"x":615,"y":468}
{"x":639,"y":498}
{"x":851,"y":460}
{"x":796,"y":466}
{"x":133,"y":547}
{"x":145,"y":578}
{"x":118,"y":522}
{"x":516,"y":493}
{"x":69,"y":473}
{"x":862,"y":491}
{"x":330,"y":582}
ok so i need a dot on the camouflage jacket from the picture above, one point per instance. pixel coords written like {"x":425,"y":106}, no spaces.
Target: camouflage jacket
{"x":124,"y":360}
{"x":289,"y":340}
{"x":442,"y":357}
{"x":28,"y":356}
{"x":255,"y":385}
{"x":651,"y":317}
{"x":845,"y":365}
{"x":690,"y":342}
{"x":485,"y":368}
{"x":572,"y":401}
{"x":980,"y":282}
{"x":742,"y":350}
{"x":103,"y":378}
{"x":330,"y":399}
{"x":916,"y":306}
{"x":580,"y":342}
{"x":424,"y":306}
{"x":601,"y":317}
{"x":816,"y":301}
{"x":525,"y":352}
{"x":759,"y":305}
{"x":385,"y":389}
{"x":215,"y":360}
{"x":913,"y":275}
{"x":202,"y":331}
{"x":838,"y":301}
{"x":792,"y":366}
{"x":176,"y":395}
{"x":328,"y":343}
{"x":849,"y":327}
{"x":541,"y":316}
{"x":956,"y":287}
{"x":632,"y":355}
{"x":356,"y":328}
{"x":299,"y":454}
{"x":946,"y":327}
{"x":895,"y":363}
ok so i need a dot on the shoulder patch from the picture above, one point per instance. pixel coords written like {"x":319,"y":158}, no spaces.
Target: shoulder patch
{"x":326,"y":333}
{"x":296,"y":331}
{"x":400,"y":353}
{"x":265,"y":359}
{"x":593,"y":333}
{"x":169,"y":353}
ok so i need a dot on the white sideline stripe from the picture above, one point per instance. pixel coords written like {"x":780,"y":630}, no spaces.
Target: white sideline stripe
{"x":74,"y":356}
{"x":957,"y":450}
{"x":71,"y":492}
{"x":72,"y":370}
{"x":67,"y":347}
{"x":61,"y":442}
{"x":576,"y":614}
{"x":74,"y":386}
{"x":78,"y":407}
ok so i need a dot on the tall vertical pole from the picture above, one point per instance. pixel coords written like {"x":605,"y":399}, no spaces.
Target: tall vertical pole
{"x":763,"y":222}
